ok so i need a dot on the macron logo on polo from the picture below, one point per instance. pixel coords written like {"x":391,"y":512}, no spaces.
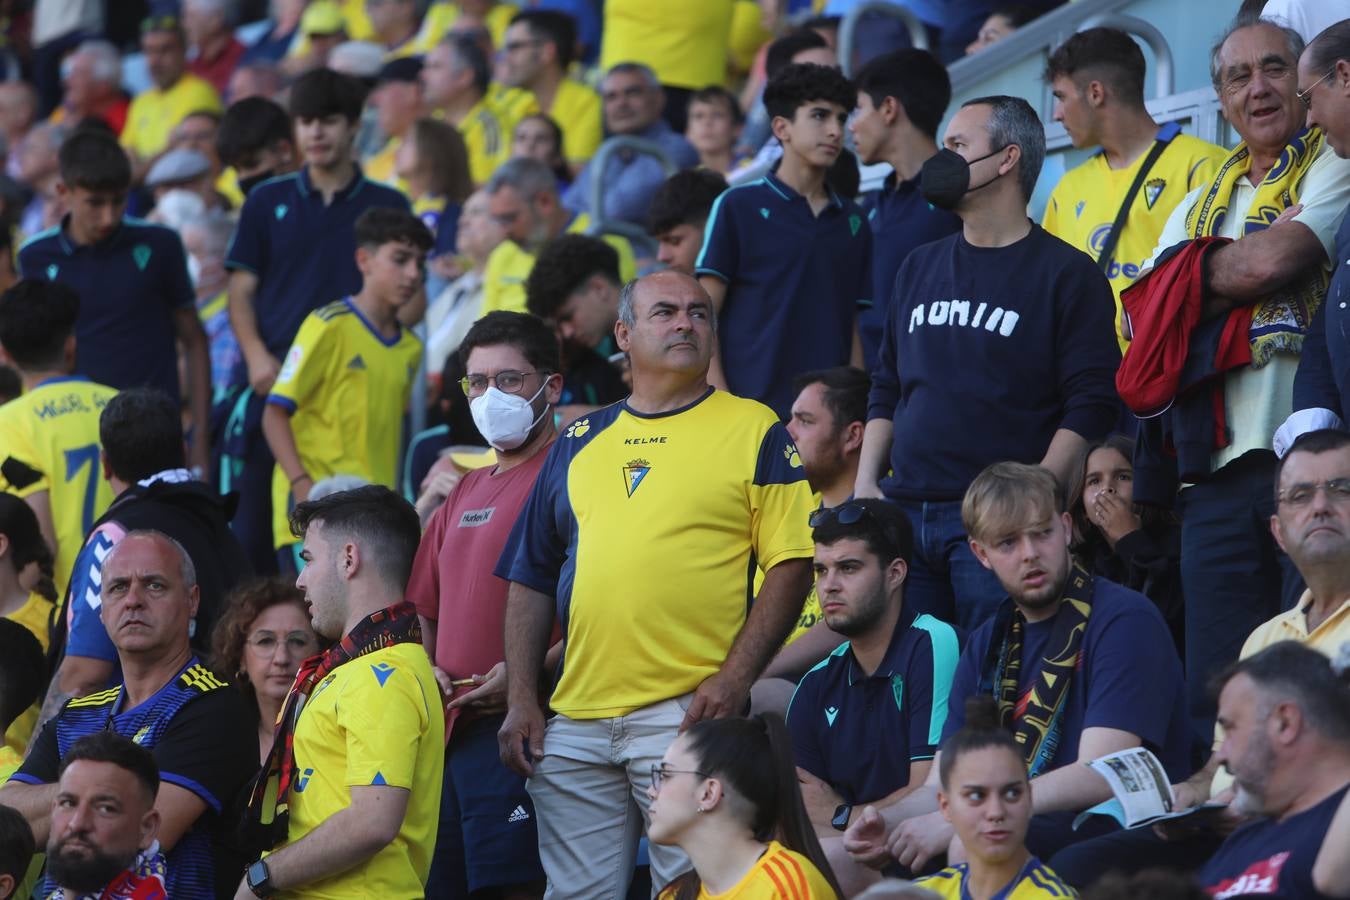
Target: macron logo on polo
{"x":51,"y":271}
{"x":281,"y":211}
{"x":831,"y":713}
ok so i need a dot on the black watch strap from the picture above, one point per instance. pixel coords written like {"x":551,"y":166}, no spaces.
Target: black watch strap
{"x":842,"y":813}
{"x":259,"y":879}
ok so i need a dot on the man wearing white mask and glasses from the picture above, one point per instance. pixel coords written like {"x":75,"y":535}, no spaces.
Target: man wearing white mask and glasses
{"x":512,"y":381}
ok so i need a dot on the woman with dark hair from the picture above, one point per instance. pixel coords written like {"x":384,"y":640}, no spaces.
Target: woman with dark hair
{"x":726,"y":794}
{"x":986,"y":796}
{"x":434,"y":163}
{"x":260,"y":642}
{"x":1133,"y":545}
{"x":539,"y":137}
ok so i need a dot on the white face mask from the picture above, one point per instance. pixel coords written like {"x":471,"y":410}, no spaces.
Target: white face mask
{"x":194,"y":270}
{"x":505,"y":420}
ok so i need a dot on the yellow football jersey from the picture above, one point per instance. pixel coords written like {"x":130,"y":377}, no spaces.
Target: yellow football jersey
{"x":1084,"y":205}
{"x":648,"y":529}
{"x":376,"y":720}
{"x":780,"y":874}
{"x":509,"y":266}
{"x":487,"y":129}
{"x":1036,"y":881}
{"x":154,"y":113}
{"x":685,"y":44}
{"x":49,"y":442}
{"x":346,"y":387}
{"x":577,"y":110}
{"x":441,"y":17}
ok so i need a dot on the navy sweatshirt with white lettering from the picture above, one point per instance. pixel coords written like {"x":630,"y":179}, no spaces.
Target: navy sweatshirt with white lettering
{"x":987,"y":352}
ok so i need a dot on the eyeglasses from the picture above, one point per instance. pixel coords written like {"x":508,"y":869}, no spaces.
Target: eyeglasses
{"x":1300,"y":495}
{"x":659,"y":774}
{"x":265,"y":643}
{"x":1305,"y":97}
{"x":508,"y":381}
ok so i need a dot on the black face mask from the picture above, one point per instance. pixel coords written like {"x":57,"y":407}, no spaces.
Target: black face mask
{"x":945,"y":178}
{"x":246,"y":185}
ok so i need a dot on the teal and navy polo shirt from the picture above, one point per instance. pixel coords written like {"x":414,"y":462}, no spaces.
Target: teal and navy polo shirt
{"x":859,"y":733}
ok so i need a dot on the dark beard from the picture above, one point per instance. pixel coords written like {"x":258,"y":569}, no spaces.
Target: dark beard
{"x":85,"y":874}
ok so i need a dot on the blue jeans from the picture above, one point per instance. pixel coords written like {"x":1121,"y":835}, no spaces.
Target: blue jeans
{"x":945,"y":579}
{"x":1233,"y":574}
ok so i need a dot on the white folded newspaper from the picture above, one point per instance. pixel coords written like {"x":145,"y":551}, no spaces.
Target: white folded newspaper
{"x":1143,"y":792}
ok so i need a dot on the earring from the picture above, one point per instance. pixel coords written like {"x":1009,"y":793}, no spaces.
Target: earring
{"x":702,"y":810}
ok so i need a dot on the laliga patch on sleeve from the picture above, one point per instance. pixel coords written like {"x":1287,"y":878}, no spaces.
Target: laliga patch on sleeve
{"x":292,"y":364}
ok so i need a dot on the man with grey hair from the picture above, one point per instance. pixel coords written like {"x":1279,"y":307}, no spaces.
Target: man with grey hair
{"x":213,"y":50}
{"x":196,"y":726}
{"x":633,"y":102}
{"x":206,"y":238}
{"x":92,"y":77}
{"x":711,"y":485}
{"x":1279,"y":197}
{"x":523,"y":199}
{"x":1033,"y":329}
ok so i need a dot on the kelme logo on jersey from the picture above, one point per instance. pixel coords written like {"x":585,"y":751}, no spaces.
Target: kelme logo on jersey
{"x":1078,"y":209}
{"x":140,"y":254}
{"x":579,"y":428}
{"x":634,"y":473}
{"x":793,"y":458}
{"x":302,"y":780}
{"x":1153,"y":188}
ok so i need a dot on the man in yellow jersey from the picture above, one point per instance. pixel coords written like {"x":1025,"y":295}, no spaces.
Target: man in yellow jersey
{"x":1097,"y":77}
{"x":357,"y":760}
{"x":337,"y":405}
{"x":827,"y":422}
{"x":456,"y":77}
{"x":176,"y":92}
{"x":523,"y":198}
{"x":49,"y":437}
{"x":536,"y":55}
{"x":397,"y":99}
{"x":395,"y":24}
{"x":643,"y":532}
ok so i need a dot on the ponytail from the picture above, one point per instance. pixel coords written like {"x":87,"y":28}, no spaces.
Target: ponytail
{"x":794,"y":828}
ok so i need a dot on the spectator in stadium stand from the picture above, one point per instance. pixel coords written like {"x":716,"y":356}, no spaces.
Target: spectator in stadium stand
{"x":397,"y":99}
{"x":523,"y":198}
{"x":175,"y":92}
{"x":213,"y":50}
{"x":294,"y":251}
{"x":1322,"y":384}
{"x":142,"y":452}
{"x":357,"y":757}
{"x":451,"y":313}
{"x":858,"y":739}
{"x":787,"y":260}
{"x":487,"y":838}
{"x":715,"y":123}
{"x":254,"y":79}
{"x":703,"y":510}
{"x":1312,"y":525}
{"x":255,"y":140}
{"x":1002,"y":22}
{"x":539,"y":137}
{"x":986,"y":797}
{"x":683,"y":46}
{"x":902,"y":96}
{"x":39,"y":171}
{"x":1037,"y":384}
{"x":678,"y":214}
{"x":92,"y":77}
{"x":198,"y":131}
{"x":536,"y":55}
{"x":206,"y":238}
{"x":802,"y":45}
{"x":826,"y":427}
{"x":1121,"y":686}
{"x":1233,"y":574}
{"x":18,"y":114}
{"x":456,"y":76}
{"x":104,"y":824}
{"x":1097,"y":79}
{"x":301,"y":37}
{"x":633,"y":100}
{"x":575,"y":286}
{"x":1308,"y":17}
{"x":1286,"y":719}
{"x":726,"y":793}
{"x":49,"y":437}
{"x":136,"y":300}
{"x":21,"y":676}
{"x":194,"y":724}
{"x":260,"y":642}
{"x":395,"y":24}
{"x":25,"y":598}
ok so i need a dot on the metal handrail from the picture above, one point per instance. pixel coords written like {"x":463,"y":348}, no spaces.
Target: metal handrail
{"x":617,"y":144}
{"x":1164,"y":77}
{"x":918,"y":35}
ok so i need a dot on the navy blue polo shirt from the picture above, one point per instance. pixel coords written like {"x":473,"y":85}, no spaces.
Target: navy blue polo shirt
{"x":1323,"y":379}
{"x":302,"y":249}
{"x":794,"y":283}
{"x":900,"y":220}
{"x":130,"y":286}
{"x":859,"y":733}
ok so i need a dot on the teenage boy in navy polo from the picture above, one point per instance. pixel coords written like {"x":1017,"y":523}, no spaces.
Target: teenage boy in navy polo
{"x":136,"y":300}
{"x":294,"y":251}
{"x":785,"y":259}
{"x":866,"y":721}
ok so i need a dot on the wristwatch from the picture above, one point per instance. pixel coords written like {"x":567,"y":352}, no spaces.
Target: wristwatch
{"x":259,"y":879}
{"x":842,"y":813}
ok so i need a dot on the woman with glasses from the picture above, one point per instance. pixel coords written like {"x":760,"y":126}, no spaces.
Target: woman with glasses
{"x":726,"y":794}
{"x":260,"y":642}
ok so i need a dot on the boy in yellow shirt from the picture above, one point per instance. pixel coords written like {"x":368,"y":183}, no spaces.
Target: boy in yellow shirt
{"x":337,"y":405}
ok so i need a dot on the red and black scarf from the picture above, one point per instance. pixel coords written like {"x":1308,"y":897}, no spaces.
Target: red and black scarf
{"x":397,"y":624}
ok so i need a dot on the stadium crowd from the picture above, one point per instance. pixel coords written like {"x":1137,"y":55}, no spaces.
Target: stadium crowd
{"x":491,"y":450}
